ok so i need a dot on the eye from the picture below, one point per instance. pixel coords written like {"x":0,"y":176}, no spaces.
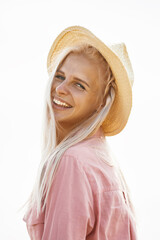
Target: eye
{"x":80,"y":86}
{"x":60,"y":77}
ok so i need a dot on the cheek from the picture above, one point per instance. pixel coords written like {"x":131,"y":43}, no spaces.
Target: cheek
{"x":87,"y":103}
{"x":77,"y":94}
{"x":54,"y":85}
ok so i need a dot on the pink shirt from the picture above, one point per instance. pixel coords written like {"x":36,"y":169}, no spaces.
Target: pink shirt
{"x":85,"y":201}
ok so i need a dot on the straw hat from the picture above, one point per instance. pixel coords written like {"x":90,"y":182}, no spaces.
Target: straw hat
{"x":117,"y":57}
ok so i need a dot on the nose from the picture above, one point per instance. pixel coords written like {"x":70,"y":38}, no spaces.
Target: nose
{"x":62,"y":88}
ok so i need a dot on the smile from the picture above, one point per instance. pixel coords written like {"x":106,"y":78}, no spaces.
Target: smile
{"x":61,"y":104}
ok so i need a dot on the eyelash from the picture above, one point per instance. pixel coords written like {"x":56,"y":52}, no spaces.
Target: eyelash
{"x":60,"y":77}
{"x":63,"y":78}
{"x":80,"y":85}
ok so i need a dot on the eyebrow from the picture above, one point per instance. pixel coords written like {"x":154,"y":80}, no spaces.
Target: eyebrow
{"x":80,"y":80}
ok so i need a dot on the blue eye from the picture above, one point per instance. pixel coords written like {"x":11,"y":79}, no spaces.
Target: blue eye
{"x":60,"y":77}
{"x":80,"y":85}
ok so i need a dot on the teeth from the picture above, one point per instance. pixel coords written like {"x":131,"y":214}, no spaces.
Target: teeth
{"x":60,"y":103}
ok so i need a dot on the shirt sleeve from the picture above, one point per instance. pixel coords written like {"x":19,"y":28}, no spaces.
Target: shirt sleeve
{"x":69,"y":210}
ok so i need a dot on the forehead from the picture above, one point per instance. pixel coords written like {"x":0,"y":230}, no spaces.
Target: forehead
{"x":79,"y":65}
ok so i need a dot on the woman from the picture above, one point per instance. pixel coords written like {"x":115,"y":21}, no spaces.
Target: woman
{"x":80,"y":192}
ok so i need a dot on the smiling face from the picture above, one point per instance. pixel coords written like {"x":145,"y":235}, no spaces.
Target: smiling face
{"x":77,"y":90}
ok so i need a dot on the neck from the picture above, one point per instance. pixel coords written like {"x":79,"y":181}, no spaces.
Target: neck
{"x":61,"y":133}
{"x":62,"y":130}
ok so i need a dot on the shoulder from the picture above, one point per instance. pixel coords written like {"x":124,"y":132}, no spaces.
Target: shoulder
{"x":74,"y":158}
{"x":86,"y":150}
{"x":90,"y":153}
{"x":91,"y":159}
{"x":83,"y":152}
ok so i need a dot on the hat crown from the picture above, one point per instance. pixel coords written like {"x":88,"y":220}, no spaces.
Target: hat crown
{"x":121,"y":51}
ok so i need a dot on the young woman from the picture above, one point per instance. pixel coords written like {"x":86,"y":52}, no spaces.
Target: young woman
{"x":80,"y":192}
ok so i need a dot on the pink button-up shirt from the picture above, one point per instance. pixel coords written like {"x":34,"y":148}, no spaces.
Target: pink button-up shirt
{"x":86,"y":201}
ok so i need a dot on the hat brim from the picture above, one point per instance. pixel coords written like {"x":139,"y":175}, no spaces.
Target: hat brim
{"x":121,"y":107}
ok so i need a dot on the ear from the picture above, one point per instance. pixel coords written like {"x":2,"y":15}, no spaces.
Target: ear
{"x":105,"y":96}
{"x":103,"y":103}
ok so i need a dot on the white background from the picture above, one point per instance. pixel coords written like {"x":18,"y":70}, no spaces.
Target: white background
{"x":27,"y":30}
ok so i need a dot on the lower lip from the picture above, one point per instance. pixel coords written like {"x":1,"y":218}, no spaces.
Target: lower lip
{"x":58,"y":107}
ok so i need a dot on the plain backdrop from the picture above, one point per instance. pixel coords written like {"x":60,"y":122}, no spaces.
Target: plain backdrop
{"x":27,"y":30}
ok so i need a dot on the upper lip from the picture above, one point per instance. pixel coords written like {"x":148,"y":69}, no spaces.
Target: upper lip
{"x":61,"y":100}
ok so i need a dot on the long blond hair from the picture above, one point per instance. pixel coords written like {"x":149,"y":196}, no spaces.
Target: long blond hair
{"x":51,"y":152}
